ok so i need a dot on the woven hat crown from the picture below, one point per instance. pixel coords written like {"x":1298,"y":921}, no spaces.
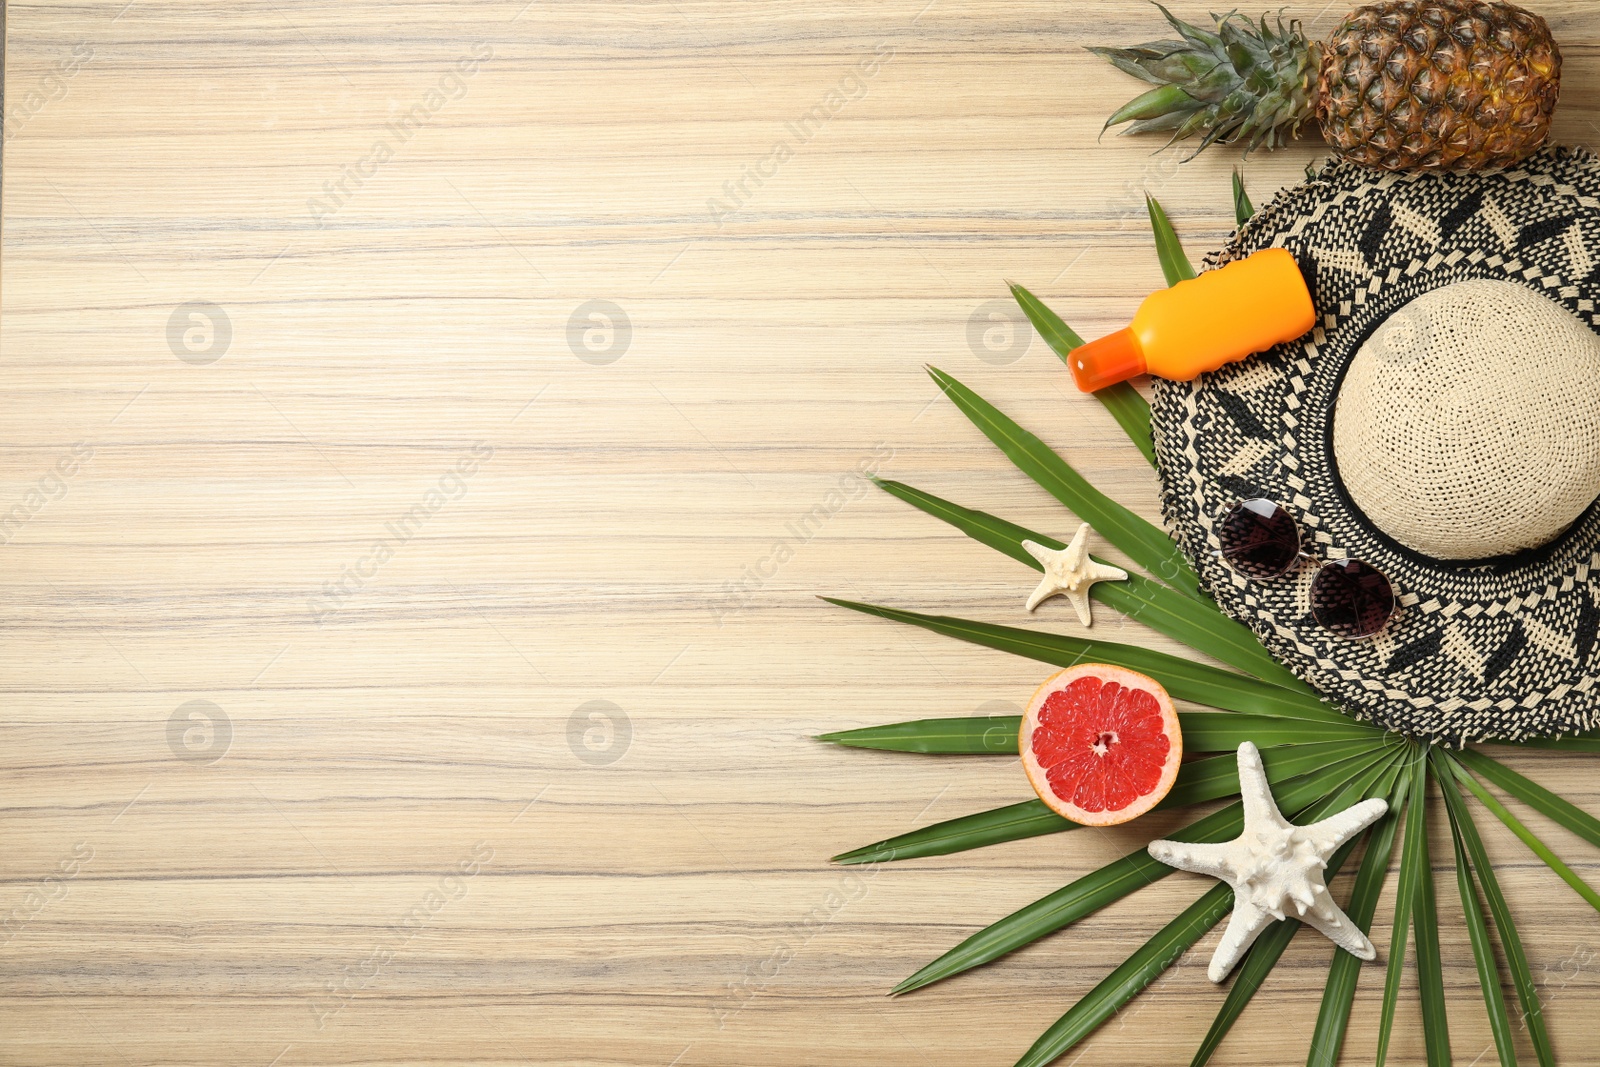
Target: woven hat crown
{"x":1468,"y":424}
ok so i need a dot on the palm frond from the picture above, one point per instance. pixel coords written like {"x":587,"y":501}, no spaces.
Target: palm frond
{"x":969,"y":735}
{"x":1413,"y":859}
{"x":1532,"y":1012}
{"x":1061,"y":338}
{"x":1528,"y":837}
{"x":1225,"y":731}
{"x":1122,"y":400}
{"x":1198,"y":781}
{"x":1425,"y":926}
{"x":1014,"y":822}
{"x":997,"y":735}
{"x":1200,"y":625}
{"x":1128,"y":980}
{"x":1117,"y":879}
{"x":1534,"y":795}
{"x":1175,"y":266}
{"x":1494,"y":1000}
{"x":1143,"y":542}
{"x":1183,"y":679}
{"x":1338,"y":996}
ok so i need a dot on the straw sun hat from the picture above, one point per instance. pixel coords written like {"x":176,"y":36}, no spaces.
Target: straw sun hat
{"x":1441,"y":423}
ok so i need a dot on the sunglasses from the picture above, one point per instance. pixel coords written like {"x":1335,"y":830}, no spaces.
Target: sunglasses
{"x":1349,"y":598}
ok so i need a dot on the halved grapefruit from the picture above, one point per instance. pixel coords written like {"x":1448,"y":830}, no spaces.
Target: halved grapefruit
{"x":1101,"y":744}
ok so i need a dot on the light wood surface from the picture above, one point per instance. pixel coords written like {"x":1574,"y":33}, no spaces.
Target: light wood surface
{"x":408,"y":835}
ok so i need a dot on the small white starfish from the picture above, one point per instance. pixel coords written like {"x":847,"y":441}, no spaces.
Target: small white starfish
{"x":1275,"y":864}
{"x":1070,"y":570}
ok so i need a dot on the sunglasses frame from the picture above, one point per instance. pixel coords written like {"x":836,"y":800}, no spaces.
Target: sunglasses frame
{"x":1301,"y":557}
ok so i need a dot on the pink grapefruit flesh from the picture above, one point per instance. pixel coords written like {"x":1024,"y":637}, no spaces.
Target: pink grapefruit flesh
{"x":1101,"y":744}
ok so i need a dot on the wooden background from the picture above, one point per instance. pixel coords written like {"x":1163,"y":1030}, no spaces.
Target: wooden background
{"x":241,"y":343}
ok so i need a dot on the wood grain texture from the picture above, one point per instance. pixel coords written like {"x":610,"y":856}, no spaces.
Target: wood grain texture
{"x":401,"y":832}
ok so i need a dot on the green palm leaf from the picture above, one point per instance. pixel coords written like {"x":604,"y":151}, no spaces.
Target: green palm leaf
{"x":996,"y":735}
{"x":1516,"y":958}
{"x":971,"y":735}
{"x":1175,"y":265}
{"x":1128,"y":980}
{"x":1201,"y":626}
{"x":1182,"y":678}
{"x":1132,"y":413}
{"x":1216,"y":731}
{"x":1243,"y":209}
{"x":1494,"y":1000}
{"x":1534,"y":795}
{"x":1529,"y":838}
{"x":1014,"y":822}
{"x":1413,"y":859}
{"x":1122,"y":400}
{"x":1425,"y":924}
{"x":1144,"y":543}
{"x":1198,"y":781}
{"x":1333,"y":1018}
{"x":1117,"y":879}
{"x":1061,"y":338}
{"x":1253,"y":971}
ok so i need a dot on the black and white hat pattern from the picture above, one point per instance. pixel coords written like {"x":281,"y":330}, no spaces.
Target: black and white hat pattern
{"x":1497,"y":648}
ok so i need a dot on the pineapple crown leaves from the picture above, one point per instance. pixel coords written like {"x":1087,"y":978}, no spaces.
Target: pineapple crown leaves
{"x":1247,"y":81}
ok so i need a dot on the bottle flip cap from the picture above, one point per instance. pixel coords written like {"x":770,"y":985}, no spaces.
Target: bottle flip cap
{"x":1112,"y":359}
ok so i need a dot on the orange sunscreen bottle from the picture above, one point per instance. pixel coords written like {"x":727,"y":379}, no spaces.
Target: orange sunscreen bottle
{"x":1198,"y":325}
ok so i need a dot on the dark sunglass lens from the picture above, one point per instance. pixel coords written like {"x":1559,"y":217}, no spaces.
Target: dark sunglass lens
{"x":1351,"y":599}
{"x":1259,"y":538}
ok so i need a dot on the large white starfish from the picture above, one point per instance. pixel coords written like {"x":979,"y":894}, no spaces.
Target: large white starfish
{"x":1070,"y":570}
{"x":1275,"y":866}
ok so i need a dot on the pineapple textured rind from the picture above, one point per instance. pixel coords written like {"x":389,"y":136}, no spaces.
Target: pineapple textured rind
{"x":1439,"y":84}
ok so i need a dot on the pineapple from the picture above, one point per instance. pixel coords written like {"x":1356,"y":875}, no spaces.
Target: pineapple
{"x":1401,"y":85}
